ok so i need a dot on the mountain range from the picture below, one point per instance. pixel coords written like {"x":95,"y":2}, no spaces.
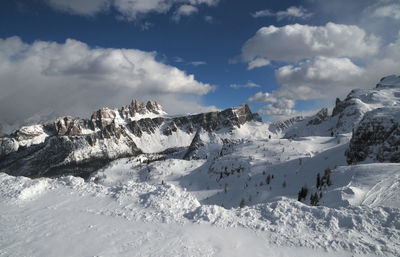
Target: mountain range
{"x":326,"y":182}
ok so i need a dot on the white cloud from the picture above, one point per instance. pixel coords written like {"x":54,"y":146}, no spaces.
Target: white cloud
{"x":257,"y":63}
{"x":326,"y":78}
{"x":146,"y":25}
{"x":325,"y":62}
{"x":263,"y":13}
{"x":80,"y":7}
{"x":312,"y":78}
{"x":317,"y":78}
{"x":207,"y":2}
{"x":208,"y":19}
{"x":320,"y":77}
{"x":282,"y":107}
{"x":198,"y":63}
{"x":290,"y":13}
{"x":75,"y":79}
{"x":178,"y":59}
{"x":388,"y":11}
{"x":184,"y":10}
{"x":296,"y":42}
{"x":261,"y":97}
{"x":249,"y":84}
{"x":293,"y":12}
{"x":193,"y":63}
{"x":129,"y":9}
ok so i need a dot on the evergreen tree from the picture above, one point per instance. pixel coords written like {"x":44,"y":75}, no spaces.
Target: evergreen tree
{"x":302,"y":193}
{"x":242,"y":203}
{"x":327,"y":176}
{"x":314,"y":199}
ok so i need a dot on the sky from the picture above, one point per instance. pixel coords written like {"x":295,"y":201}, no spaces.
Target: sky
{"x":283,"y":58}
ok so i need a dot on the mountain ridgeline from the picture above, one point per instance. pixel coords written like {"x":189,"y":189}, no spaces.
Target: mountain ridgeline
{"x":370,"y":117}
{"x":82,"y":146}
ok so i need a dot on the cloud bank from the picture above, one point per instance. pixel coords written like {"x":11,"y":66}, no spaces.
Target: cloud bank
{"x":295,"y":42}
{"x":319,"y":62}
{"x":49,"y":79}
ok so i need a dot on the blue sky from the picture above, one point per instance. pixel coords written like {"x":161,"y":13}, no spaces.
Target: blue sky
{"x":284,"y":58}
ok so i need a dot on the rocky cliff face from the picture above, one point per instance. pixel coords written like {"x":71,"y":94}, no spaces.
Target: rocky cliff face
{"x":280,"y":126}
{"x":81,"y":146}
{"x":377,"y":137}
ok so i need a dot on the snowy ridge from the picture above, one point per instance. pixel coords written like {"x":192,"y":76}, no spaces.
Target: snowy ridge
{"x":389,"y":82}
{"x":348,"y":113}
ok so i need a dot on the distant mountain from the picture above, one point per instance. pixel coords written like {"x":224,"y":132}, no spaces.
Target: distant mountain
{"x":81,"y":146}
{"x":347,"y":114}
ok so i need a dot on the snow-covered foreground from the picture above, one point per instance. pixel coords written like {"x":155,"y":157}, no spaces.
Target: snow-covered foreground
{"x":69,"y":217}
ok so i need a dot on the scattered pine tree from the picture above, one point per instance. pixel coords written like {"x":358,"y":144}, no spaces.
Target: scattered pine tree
{"x":314,"y":199}
{"x":302,"y":193}
{"x":242,"y":203}
{"x":268,"y":179}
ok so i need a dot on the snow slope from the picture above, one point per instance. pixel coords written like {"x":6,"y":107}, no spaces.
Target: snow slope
{"x":70,"y":217}
{"x":375,"y":184}
{"x":163,"y":205}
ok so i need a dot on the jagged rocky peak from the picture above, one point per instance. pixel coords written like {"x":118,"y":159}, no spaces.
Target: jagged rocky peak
{"x":210,"y":121}
{"x":320,"y":117}
{"x":137,"y":108}
{"x":102,"y":118}
{"x":67,"y":126}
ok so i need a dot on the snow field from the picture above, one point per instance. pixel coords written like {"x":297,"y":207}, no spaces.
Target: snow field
{"x":135,"y":204}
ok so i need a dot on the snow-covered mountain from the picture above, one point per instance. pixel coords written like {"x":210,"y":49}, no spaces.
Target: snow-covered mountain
{"x":81,"y":146}
{"x":347,"y":114}
{"x":212,"y":184}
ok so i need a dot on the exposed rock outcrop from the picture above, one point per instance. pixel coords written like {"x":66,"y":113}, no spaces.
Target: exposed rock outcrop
{"x":320,"y":117}
{"x":377,"y":137}
{"x":280,"y":126}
